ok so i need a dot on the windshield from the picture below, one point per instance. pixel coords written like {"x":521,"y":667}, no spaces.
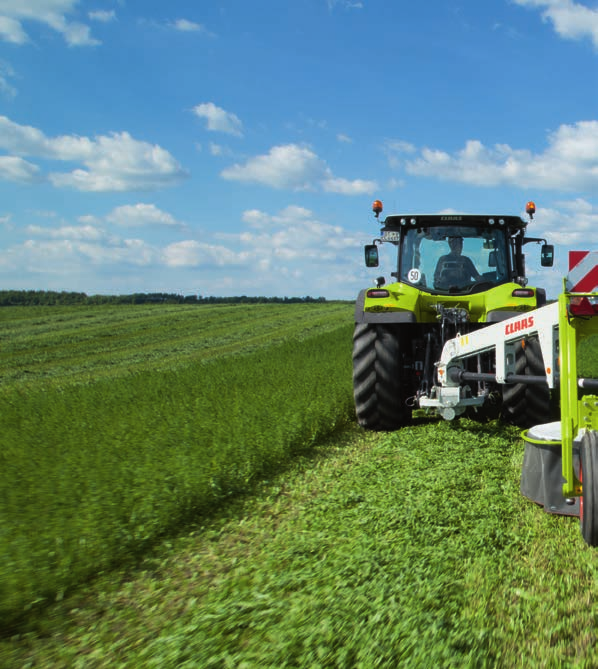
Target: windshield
{"x":454,"y":259}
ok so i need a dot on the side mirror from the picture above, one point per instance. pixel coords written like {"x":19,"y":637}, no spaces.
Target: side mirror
{"x":547,"y":255}
{"x":371,"y":255}
{"x":492,"y":259}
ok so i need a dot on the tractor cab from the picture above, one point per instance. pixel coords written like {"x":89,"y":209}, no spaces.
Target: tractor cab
{"x":457,"y":254}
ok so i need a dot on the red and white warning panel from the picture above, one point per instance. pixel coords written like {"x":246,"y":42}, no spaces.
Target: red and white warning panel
{"x":583,"y":272}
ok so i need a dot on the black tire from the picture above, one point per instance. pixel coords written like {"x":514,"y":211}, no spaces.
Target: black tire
{"x":588,"y":475}
{"x":525,"y":404}
{"x":378,"y":387}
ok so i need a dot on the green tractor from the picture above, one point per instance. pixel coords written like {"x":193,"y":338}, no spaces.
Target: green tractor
{"x":454,"y":273}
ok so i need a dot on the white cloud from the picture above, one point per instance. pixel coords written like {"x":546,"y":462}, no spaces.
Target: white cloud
{"x":219,"y":150}
{"x":135,"y":215}
{"x":344,"y":139}
{"x":13,"y":168}
{"x":52,"y":13}
{"x":6,"y":73}
{"x":570,"y":162}
{"x":12,"y":31}
{"x":346,"y":187}
{"x":572,"y":224}
{"x":294,"y":167}
{"x":114,"y":162}
{"x":186,"y":26}
{"x":219,"y":120}
{"x":306,"y":255}
{"x":69,"y":232}
{"x":103,"y":16}
{"x":346,"y":4}
{"x":67,"y":256}
{"x":191,"y":253}
{"x":295,"y":234}
{"x":570,"y":19}
{"x":289,"y":166}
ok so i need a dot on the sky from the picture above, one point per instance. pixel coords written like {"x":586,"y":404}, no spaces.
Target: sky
{"x":234,"y":147}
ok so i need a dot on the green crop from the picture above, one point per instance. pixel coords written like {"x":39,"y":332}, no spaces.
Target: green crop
{"x":92,"y":473}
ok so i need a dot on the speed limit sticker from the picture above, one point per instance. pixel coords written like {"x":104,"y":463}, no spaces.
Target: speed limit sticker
{"x":414,"y":275}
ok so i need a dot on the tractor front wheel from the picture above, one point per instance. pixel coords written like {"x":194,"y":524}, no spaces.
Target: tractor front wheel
{"x":378,"y":387}
{"x":588,"y":475}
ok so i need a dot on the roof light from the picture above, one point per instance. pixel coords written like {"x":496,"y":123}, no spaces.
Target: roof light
{"x":403,"y":221}
{"x":530,"y":209}
{"x":523,"y":292}
{"x":583,"y":306}
{"x":413,"y":221}
{"x":491,"y":221}
{"x":377,"y":292}
{"x":501,"y":221}
{"x":377,"y":207}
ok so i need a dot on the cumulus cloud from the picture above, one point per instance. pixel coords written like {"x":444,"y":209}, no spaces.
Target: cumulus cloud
{"x":571,"y":224}
{"x":570,"y":19}
{"x":294,"y":167}
{"x":569,"y":162}
{"x":52,"y":13}
{"x":219,"y":120}
{"x":136,"y":215}
{"x":67,"y":256}
{"x":289,"y":166}
{"x":302,"y":252}
{"x":13,"y":168}
{"x":275,"y":236}
{"x":114,"y":162}
{"x":192,"y":253}
{"x":348,"y":187}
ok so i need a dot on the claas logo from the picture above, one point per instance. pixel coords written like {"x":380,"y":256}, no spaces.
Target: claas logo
{"x":517,"y":326}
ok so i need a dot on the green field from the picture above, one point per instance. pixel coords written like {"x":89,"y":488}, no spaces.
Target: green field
{"x":315,"y":545}
{"x":117,"y":425}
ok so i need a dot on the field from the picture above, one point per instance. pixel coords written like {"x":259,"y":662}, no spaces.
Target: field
{"x":185,"y":487}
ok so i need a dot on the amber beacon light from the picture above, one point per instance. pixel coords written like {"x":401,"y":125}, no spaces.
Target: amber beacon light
{"x":530,"y":209}
{"x":377,"y":207}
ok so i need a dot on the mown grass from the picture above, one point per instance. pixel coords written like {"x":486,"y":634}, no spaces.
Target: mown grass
{"x":91,"y":474}
{"x":411,"y":549}
{"x":83,"y":343}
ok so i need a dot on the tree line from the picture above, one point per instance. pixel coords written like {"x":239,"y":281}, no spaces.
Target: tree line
{"x":9,"y":298}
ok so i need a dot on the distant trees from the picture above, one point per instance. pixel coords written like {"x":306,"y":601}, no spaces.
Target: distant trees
{"x":10,"y":298}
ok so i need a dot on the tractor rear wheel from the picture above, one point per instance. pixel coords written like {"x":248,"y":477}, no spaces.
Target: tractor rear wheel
{"x":588,"y":475}
{"x":378,"y":387}
{"x":525,"y":404}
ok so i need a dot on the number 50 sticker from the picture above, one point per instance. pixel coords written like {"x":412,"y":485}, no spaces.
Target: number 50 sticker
{"x":414,"y":275}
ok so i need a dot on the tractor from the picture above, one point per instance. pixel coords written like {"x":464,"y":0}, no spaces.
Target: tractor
{"x":454,"y":274}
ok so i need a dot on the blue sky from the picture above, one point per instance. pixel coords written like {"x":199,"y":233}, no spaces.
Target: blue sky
{"x":235,"y":146}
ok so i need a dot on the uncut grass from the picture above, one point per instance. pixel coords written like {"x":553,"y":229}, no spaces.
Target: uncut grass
{"x":412,"y":549}
{"x":91,"y":475}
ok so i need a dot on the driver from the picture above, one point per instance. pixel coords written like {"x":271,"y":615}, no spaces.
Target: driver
{"x":455,"y":269}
